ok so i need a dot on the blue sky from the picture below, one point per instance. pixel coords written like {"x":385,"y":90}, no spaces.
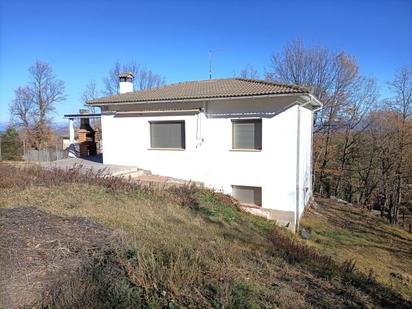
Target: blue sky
{"x":82,"y":39}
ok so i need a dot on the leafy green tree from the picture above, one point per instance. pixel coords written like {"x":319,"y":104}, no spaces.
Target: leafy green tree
{"x":11,"y":145}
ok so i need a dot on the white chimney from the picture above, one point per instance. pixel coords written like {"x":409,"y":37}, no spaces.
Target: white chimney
{"x":126,"y":82}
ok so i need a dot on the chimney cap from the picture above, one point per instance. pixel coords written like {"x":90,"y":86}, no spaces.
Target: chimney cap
{"x":126,"y":75}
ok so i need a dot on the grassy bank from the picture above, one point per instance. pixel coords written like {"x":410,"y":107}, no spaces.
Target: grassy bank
{"x":356,"y":235}
{"x":185,"y":247}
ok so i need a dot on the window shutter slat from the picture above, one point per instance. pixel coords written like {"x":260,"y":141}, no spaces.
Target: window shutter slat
{"x":170,"y":134}
{"x":247,"y":134}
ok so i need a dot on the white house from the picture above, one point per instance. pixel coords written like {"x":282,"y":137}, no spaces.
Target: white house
{"x":248,"y":138}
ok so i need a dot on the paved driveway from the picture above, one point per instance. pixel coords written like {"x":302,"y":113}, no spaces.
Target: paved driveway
{"x":96,"y":165}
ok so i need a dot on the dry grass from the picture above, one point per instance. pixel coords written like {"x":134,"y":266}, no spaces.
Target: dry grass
{"x":193,"y":248}
{"x":178,"y":252}
{"x":39,"y":250}
{"x":350,"y":233}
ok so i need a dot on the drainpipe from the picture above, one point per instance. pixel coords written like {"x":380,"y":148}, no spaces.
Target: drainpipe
{"x":199,"y":134}
{"x":299,"y":106}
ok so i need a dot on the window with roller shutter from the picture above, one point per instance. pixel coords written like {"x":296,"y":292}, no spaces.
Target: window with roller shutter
{"x":167,"y":135}
{"x":247,"y":134}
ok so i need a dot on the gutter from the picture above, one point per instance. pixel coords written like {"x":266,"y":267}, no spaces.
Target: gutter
{"x":314,"y":99}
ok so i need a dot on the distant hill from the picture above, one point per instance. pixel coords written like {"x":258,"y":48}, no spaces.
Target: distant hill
{"x":59,"y":128}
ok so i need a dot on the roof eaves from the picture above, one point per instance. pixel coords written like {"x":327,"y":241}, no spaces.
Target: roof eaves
{"x":193,"y":99}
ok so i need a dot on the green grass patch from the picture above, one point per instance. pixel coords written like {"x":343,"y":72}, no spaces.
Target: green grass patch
{"x":213,"y":206}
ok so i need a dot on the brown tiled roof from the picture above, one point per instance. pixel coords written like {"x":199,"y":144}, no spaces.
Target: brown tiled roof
{"x":204,"y":89}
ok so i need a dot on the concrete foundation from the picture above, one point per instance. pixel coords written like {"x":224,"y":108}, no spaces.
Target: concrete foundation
{"x":282,"y":218}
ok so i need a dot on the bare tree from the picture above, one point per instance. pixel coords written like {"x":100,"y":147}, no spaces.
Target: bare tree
{"x":144,"y":78}
{"x":362,"y":146}
{"x":401,"y":104}
{"x":21,"y":108}
{"x":333,"y":78}
{"x":33,"y":104}
{"x":314,"y":67}
{"x":88,"y":94}
{"x":46,"y":90}
{"x":328,"y":74}
{"x":249,"y":71}
{"x":360,"y":99}
{"x":380,"y":148}
{"x":401,"y":86}
{"x":366,"y":166}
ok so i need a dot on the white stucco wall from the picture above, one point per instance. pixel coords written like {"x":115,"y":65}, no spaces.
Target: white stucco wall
{"x":305,"y":158}
{"x":208,"y":156}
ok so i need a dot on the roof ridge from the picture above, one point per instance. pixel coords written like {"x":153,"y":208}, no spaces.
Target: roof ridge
{"x":260,"y":81}
{"x":273,"y":82}
{"x":201,"y":81}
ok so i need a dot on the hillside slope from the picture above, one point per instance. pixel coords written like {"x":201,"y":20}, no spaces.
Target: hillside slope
{"x":175,"y":248}
{"x":361,"y":237}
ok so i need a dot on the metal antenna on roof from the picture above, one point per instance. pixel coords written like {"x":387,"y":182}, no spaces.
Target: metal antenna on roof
{"x":211,"y":51}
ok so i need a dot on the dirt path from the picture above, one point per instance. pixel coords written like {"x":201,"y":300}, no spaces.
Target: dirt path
{"x":41,"y":251}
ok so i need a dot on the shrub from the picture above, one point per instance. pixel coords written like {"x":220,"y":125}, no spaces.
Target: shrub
{"x":294,"y":252}
{"x":11,"y":145}
{"x":185,"y":195}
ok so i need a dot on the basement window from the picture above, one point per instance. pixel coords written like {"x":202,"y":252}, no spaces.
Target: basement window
{"x":248,"y":195}
{"x":247,"y":134}
{"x":167,"y":135}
